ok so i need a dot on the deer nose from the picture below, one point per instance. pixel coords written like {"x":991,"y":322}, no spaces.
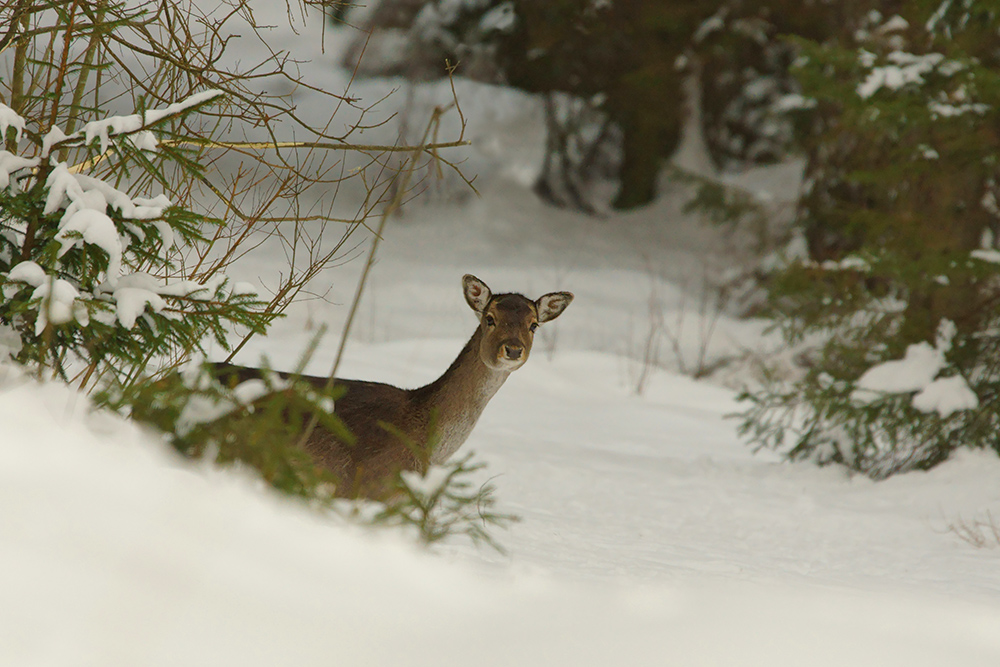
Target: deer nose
{"x":513,"y":351}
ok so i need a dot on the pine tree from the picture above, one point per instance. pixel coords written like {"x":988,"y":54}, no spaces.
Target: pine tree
{"x":86,"y":268}
{"x":112,"y":268}
{"x":900,"y":218}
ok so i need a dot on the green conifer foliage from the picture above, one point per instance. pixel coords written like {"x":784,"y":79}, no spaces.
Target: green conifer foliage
{"x":112,"y":268}
{"x":900,"y":217}
{"x":85,"y":267}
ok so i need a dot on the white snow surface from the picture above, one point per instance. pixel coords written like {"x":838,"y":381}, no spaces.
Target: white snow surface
{"x":649,"y":536}
{"x":650,"y":533}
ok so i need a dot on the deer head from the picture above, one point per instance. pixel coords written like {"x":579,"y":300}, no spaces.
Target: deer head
{"x":507,"y":322}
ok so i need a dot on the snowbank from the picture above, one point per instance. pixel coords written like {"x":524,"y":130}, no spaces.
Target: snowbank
{"x":115,"y":552}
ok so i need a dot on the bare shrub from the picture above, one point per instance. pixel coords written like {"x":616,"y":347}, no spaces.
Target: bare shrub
{"x":982,"y":533}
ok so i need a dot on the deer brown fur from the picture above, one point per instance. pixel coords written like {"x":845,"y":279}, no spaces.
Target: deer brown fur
{"x":427,"y":425}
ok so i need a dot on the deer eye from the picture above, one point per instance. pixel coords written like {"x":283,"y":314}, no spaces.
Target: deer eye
{"x":534,"y":325}
{"x":490,"y":322}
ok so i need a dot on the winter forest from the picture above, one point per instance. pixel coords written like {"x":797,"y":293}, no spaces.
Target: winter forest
{"x":764,"y":429}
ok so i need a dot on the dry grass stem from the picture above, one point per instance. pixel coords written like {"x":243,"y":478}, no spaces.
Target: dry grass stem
{"x":982,"y":533}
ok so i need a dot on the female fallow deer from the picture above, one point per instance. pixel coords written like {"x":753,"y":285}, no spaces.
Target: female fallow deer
{"x":407,"y":429}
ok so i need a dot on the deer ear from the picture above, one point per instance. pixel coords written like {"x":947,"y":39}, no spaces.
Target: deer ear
{"x":477,"y":294}
{"x":552,"y":305}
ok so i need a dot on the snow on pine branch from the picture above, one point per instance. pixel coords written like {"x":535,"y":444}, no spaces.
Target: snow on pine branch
{"x":85,"y":206}
{"x":57,"y":297}
{"x":132,"y":124}
{"x":918,"y":373}
{"x":910,"y":70}
{"x":10,"y":119}
{"x":904,"y":69}
{"x":135,"y":292}
{"x":85,"y":201}
{"x":11,"y":163}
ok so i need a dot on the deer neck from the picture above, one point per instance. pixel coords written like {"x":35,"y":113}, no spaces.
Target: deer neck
{"x":458,"y":398}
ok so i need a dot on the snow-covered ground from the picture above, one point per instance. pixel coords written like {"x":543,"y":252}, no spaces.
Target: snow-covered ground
{"x":650,"y":533}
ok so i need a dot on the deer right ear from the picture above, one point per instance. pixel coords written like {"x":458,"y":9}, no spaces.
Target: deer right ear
{"x":477,"y":294}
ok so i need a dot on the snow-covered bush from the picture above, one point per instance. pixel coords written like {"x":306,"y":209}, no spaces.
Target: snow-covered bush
{"x":117,"y":229}
{"x":259,"y":422}
{"x":441,"y":500}
{"x":444,"y":501}
{"x":88,"y":271}
{"x":896,"y":302}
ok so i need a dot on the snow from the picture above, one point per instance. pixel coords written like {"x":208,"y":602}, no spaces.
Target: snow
{"x":711,"y":25}
{"x":849,"y":263}
{"x":132,"y":208}
{"x":244,"y":288}
{"x":916,"y":372}
{"x":130,"y":125}
{"x":54,"y":136}
{"x":917,"y":369}
{"x":945,"y":110}
{"x":145,"y":141}
{"x":928,"y":153}
{"x":426,"y":485}
{"x":27,"y":272}
{"x":936,"y":17}
{"x":10,"y":163}
{"x":650,"y":534}
{"x":201,"y":410}
{"x":684,"y":549}
{"x":250,"y":390}
{"x":501,"y":18}
{"x":156,"y":115}
{"x":134,"y":292}
{"x":60,"y":183}
{"x":56,"y":297}
{"x":57,"y":303}
{"x":946,"y":396}
{"x":87,"y":225}
{"x":105,"y":128}
{"x":130,"y":302}
{"x":10,"y":119}
{"x":992,"y":256}
{"x":895,"y":24}
{"x":906,"y":69}
{"x":792,"y":101}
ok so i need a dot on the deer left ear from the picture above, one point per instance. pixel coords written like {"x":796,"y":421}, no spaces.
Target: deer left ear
{"x":551,"y":306}
{"x":477,"y":294}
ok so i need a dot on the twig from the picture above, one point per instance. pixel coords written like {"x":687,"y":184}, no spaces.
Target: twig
{"x":273,"y":145}
{"x":390,"y":208}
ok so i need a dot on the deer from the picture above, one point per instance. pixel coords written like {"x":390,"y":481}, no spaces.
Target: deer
{"x":398,"y":429}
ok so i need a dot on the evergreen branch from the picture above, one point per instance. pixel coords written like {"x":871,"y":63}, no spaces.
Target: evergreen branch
{"x":169,"y":113}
